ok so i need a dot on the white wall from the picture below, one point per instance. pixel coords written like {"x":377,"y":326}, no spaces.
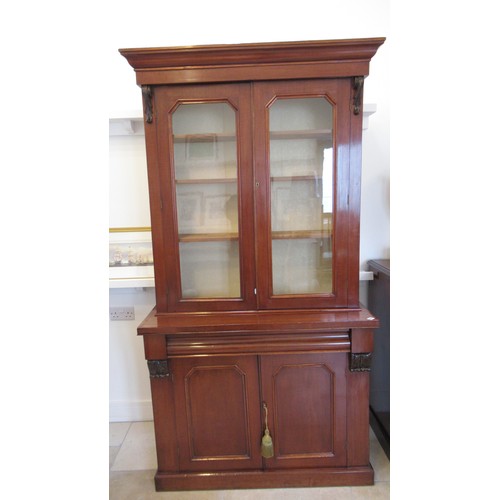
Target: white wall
{"x":129,"y":392}
{"x":167,"y":24}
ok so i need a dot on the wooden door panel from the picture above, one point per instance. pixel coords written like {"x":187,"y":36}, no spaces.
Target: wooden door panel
{"x":217,"y":412}
{"x":336,"y":232}
{"x":202,"y":209}
{"x":305,"y":395}
{"x":307,"y":431}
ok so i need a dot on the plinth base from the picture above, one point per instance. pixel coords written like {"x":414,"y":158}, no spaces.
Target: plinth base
{"x":349,"y":476}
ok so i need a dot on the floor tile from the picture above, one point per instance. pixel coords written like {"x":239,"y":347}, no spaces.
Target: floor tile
{"x":113,"y":452}
{"x":128,"y":485}
{"x":338,"y":493}
{"x":379,"y":461}
{"x":138,"y":451}
{"x":379,"y":491}
{"x":133,"y":465}
{"x":117,"y":432}
{"x":139,"y":485}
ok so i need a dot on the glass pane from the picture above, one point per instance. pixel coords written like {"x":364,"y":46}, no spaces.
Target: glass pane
{"x":205,"y":160}
{"x":210,"y":269}
{"x":301,"y":161}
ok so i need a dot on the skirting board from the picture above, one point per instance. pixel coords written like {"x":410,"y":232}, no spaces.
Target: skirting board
{"x":130,"y":411}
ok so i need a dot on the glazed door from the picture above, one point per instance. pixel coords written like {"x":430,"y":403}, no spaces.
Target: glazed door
{"x":306,"y":399}
{"x":302,"y":134}
{"x":217,"y":413}
{"x":205,"y":177}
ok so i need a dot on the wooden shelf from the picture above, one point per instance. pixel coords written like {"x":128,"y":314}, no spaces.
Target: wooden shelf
{"x":284,"y":178}
{"x":207,"y":237}
{"x":219,"y":137}
{"x":325,"y":134}
{"x":302,"y":234}
{"x":276,"y":235}
{"x":229,"y":180}
{"x":221,"y":180}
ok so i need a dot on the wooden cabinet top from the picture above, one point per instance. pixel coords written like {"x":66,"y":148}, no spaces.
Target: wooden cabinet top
{"x":297,"y":321}
{"x":252,"y":61}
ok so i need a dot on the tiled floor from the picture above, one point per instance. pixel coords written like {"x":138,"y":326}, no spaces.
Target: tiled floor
{"x":132,"y":459}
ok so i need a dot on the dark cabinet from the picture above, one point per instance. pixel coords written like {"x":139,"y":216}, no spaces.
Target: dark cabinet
{"x":379,"y":295}
{"x":254,"y":167}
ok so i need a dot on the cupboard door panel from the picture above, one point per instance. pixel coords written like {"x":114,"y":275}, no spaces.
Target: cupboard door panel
{"x":217,"y":412}
{"x":301,"y":136}
{"x":205,"y":174}
{"x":305,"y":396}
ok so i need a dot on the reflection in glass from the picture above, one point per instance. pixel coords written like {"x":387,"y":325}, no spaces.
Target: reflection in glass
{"x":301,"y":163}
{"x":205,"y":161}
{"x":210,"y":269}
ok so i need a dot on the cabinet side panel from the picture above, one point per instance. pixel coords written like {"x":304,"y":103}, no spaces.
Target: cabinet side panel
{"x":354,"y":211}
{"x":150,"y":132}
{"x":164,"y":423}
{"x":358,"y":452}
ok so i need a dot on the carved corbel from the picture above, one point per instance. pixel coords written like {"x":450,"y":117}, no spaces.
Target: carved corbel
{"x":358,"y":92}
{"x":360,"y":361}
{"x":147,"y":97}
{"x":158,"y":368}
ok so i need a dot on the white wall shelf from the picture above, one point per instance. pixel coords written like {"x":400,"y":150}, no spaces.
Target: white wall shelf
{"x":131,"y":282}
{"x":126,"y":123}
{"x":132,"y":123}
{"x":368,"y":110}
{"x":150,"y":282}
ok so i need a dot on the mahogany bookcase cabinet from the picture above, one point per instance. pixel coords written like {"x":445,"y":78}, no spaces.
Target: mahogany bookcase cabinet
{"x":254,"y":168}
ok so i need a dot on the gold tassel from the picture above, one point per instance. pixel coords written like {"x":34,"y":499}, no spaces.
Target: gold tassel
{"x":266,"y":447}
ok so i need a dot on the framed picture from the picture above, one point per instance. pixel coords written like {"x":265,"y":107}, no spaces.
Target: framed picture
{"x":295,"y":206}
{"x":189,"y":211}
{"x":201,"y":147}
{"x":221,"y":213}
{"x":130,"y":256}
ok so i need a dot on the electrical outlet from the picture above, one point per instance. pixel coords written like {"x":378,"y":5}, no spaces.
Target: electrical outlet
{"x":121,"y":313}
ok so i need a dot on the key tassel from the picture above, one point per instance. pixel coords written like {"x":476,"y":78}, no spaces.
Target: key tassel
{"x":266,"y":447}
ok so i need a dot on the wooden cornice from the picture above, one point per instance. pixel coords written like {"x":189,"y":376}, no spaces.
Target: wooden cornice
{"x":253,"y":61}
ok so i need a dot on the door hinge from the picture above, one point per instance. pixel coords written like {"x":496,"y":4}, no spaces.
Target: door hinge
{"x":255,"y":291}
{"x":147,"y":98}
{"x":358,"y":92}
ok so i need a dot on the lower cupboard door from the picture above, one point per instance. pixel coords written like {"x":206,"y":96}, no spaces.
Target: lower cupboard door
{"x":305,"y":395}
{"x":217,"y":413}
